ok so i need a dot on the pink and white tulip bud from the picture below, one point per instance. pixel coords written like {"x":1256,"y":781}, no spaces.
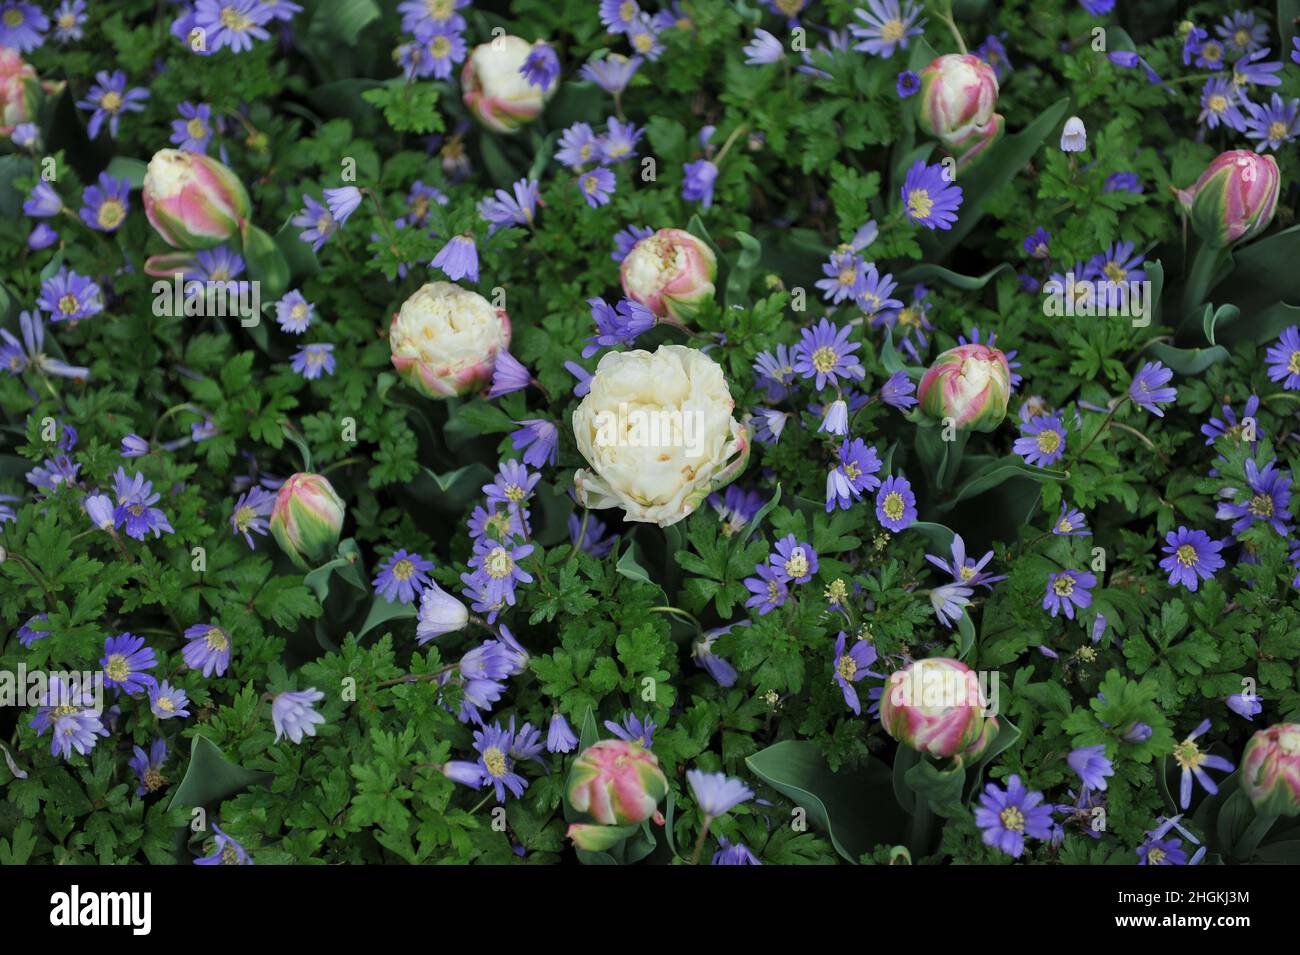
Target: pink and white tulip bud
{"x":1234,"y":198}
{"x":445,"y":340}
{"x":616,"y":782}
{"x":959,"y":93}
{"x":1270,"y":770}
{"x":306,"y":519}
{"x":194,"y":201}
{"x":936,"y":706}
{"x":970,"y":384}
{"x":18,"y":90}
{"x":495,"y":91}
{"x":671,"y":273}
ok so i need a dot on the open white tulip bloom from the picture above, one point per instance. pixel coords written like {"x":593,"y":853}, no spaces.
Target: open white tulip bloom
{"x":658,"y":431}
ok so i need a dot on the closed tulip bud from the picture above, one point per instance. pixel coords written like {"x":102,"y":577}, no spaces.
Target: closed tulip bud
{"x":936,"y":706}
{"x":445,"y":340}
{"x":616,"y":782}
{"x":970,"y":384}
{"x":306,"y":519}
{"x":671,"y":273}
{"x":959,"y":93}
{"x":194,"y":201}
{"x":18,"y":90}
{"x":1234,"y":198}
{"x":1270,"y":770}
{"x":494,"y":90}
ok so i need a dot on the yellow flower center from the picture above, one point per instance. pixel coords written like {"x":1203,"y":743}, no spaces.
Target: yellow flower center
{"x":1241,"y":37}
{"x":590,"y":184}
{"x":1063,"y":586}
{"x":153,"y":780}
{"x":403,"y":569}
{"x":165,"y":704}
{"x":626,"y":11}
{"x":196,"y":129}
{"x":1188,"y":755}
{"x":1293,"y":363}
{"x":298,"y":312}
{"x":846,"y":667}
{"x":117,"y":668}
{"x":136,"y":510}
{"x":111,"y":214}
{"x":1115,"y":272}
{"x":499,"y":563}
{"x":910,"y":316}
{"x":1218,"y":103}
{"x":66,"y":21}
{"x":1049,"y":441}
{"x":852,"y":471}
{"x":1155,"y":856}
{"x":499,"y":523}
{"x":441,"y":46}
{"x":232,"y":19}
{"x":244,"y":517}
{"x":894,"y":506}
{"x":1012,"y":819}
{"x":847,"y":276}
{"x":836,"y":592}
{"x":1261,"y":505}
{"x":68,"y":304}
{"x":892,"y":31}
{"x":1186,"y":555}
{"x":1211,"y":52}
{"x":1063,"y":526}
{"x":919,"y":203}
{"x":824,"y":359}
{"x":966,"y":573}
{"x":644,"y":42}
{"x":216,"y":640}
{"x":13,"y":17}
{"x":514,"y":492}
{"x":495,"y":761}
{"x":64,"y":711}
{"x":797,"y":565}
{"x":1277,"y":129}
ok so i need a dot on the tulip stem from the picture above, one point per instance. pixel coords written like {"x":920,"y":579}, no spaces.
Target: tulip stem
{"x":1200,"y":279}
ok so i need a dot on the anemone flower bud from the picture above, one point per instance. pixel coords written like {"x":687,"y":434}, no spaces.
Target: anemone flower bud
{"x":1270,"y":770}
{"x":936,"y":706}
{"x":970,"y":384}
{"x":671,"y":273}
{"x":440,"y":613}
{"x":495,"y":90}
{"x":1234,"y":198}
{"x":445,"y":340}
{"x":1074,"y":136}
{"x":18,"y":90}
{"x":617,"y":782}
{"x":306,"y":519}
{"x":959,"y":93}
{"x":194,"y":201}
